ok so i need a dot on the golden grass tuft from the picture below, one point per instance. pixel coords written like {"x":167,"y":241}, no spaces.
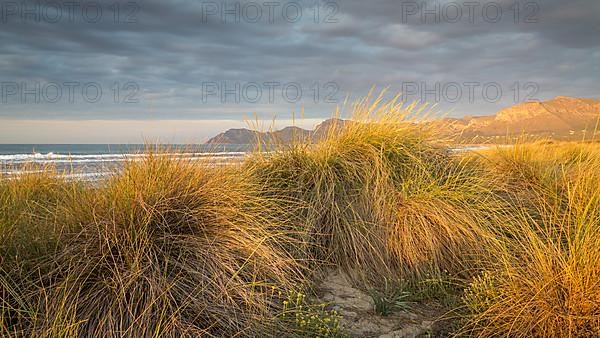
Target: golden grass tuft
{"x":167,"y":248}
{"x":545,"y":279}
{"x":377,"y":197}
{"x":36,"y":213}
{"x":32,"y":213}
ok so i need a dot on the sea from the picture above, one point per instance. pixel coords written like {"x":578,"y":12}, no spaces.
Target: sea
{"x":94,"y":161}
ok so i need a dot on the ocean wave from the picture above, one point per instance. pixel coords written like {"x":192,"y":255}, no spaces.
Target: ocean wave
{"x":68,"y":158}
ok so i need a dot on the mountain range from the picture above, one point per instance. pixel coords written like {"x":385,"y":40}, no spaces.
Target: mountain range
{"x":562,"y":117}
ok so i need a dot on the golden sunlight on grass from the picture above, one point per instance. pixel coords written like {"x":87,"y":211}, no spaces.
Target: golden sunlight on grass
{"x":169,"y":247}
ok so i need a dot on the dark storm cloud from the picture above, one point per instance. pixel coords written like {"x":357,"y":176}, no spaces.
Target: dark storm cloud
{"x":570,"y":23}
{"x":174,"y":47}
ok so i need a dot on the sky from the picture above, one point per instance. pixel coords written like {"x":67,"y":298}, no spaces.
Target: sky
{"x":182,"y":71}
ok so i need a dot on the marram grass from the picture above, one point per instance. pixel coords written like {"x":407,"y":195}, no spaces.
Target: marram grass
{"x":165,"y":248}
{"x":379,"y":199}
{"x":170,"y":247}
{"x":545,"y":279}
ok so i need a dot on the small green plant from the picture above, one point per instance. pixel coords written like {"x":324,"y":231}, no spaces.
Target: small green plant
{"x":310,"y":320}
{"x":480,"y":294}
{"x":389,"y":301}
{"x":438,"y":286}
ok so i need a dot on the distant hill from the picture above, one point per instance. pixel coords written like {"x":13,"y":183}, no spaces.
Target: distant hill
{"x":285,"y":135}
{"x":247,"y":136}
{"x":562,"y":118}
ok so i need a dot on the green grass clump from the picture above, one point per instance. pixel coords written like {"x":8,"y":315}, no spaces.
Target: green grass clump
{"x":389,"y":301}
{"x":34,"y":212}
{"x":37,"y":211}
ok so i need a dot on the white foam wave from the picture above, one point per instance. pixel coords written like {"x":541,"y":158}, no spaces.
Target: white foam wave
{"x":68,"y":158}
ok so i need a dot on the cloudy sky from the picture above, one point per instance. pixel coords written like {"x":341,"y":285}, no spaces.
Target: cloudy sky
{"x":117,"y":71}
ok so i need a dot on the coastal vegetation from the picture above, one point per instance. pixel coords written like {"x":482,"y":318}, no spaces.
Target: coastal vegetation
{"x":507,"y":238}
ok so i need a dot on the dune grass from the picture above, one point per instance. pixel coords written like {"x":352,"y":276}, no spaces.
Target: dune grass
{"x":171,"y":247}
{"x":37,"y":212}
{"x":165,"y":248}
{"x":545,"y":279}
{"x":32,"y":212}
{"x":379,"y":199}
